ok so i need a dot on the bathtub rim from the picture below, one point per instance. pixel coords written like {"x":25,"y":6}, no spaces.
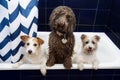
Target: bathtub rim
{"x":115,"y":65}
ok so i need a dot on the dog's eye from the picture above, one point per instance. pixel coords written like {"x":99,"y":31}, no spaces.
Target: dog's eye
{"x":28,"y":44}
{"x":93,"y":42}
{"x":35,"y":44}
{"x":86,"y":42}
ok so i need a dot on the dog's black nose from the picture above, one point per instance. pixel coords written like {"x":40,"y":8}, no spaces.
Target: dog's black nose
{"x":29,"y":51}
{"x":61,"y":25}
{"x":90,"y":48}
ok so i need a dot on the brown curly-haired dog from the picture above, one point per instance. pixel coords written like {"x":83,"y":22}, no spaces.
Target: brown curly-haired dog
{"x":61,"y":39}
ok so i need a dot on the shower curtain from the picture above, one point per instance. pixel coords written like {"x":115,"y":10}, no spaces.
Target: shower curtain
{"x":17,"y":17}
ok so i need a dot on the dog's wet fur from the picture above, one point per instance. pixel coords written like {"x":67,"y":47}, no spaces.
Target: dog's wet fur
{"x":62,"y":23}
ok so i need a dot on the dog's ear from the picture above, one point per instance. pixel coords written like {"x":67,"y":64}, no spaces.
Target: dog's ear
{"x":24,"y":38}
{"x":83,"y":36}
{"x":97,"y":37}
{"x":40,"y":40}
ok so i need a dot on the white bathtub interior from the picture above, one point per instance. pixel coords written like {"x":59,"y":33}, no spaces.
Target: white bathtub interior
{"x":108,"y":54}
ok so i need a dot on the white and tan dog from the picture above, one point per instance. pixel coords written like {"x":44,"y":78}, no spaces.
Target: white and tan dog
{"x":34,"y":53}
{"x":88,"y":52}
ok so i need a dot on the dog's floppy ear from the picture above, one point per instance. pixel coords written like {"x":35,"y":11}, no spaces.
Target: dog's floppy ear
{"x":24,"y":38}
{"x":40,"y":40}
{"x":83,"y":36}
{"x":97,"y":37}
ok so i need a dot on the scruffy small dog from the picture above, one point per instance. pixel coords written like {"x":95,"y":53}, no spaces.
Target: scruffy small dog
{"x":34,"y":53}
{"x":88,"y":52}
{"x":61,"y":39}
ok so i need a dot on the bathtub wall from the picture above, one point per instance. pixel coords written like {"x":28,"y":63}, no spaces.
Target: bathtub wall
{"x":91,"y":15}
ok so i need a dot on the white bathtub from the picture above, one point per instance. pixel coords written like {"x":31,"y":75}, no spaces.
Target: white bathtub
{"x":108,"y":54}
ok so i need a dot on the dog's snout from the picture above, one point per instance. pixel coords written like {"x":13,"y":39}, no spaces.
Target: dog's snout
{"x":29,"y":51}
{"x":61,"y":25}
{"x":90,"y":48}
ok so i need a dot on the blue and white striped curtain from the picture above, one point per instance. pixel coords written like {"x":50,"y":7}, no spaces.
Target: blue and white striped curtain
{"x":17,"y":17}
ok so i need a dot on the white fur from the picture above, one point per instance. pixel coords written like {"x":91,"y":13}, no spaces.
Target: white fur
{"x":38,"y":56}
{"x":82,"y":57}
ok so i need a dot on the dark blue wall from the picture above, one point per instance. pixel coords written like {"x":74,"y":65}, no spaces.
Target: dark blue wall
{"x":91,"y":15}
{"x":114,"y":22}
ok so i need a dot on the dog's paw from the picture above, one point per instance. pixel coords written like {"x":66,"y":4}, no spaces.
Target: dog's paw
{"x":67,"y":65}
{"x":43,"y":71}
{"x":80,"y":67}
{"x":50,"y":63}
{"x":95,"y":67}
{"x":16,"y":65}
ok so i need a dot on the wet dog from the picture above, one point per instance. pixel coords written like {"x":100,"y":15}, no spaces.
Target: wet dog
{"x":61,"y":39}
{"x":34,"y":53}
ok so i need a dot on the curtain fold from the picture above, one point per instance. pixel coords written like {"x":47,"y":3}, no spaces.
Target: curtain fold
{"x":17,"y":17}
{"x":5,"y":39}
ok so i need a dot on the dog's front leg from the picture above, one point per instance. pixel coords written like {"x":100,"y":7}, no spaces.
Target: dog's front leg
{"x":16,"y":65}
{"x":78,"y":60}
{"x":95,"y":64}
{"x":43,"y":69}
{"x":80,"y":66}
{"x":68,"y":63}
{"x":51,"y":60}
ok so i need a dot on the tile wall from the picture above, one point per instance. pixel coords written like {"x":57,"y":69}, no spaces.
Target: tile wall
{"x":91,"y":16}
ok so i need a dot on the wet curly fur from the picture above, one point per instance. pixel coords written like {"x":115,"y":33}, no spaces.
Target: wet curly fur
{"x":62,"y":23}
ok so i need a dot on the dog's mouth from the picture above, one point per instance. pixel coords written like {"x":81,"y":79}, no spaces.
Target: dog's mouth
{"x":89,"y":51}
{"x":62,"y":32}
{"x":31,"y":54}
